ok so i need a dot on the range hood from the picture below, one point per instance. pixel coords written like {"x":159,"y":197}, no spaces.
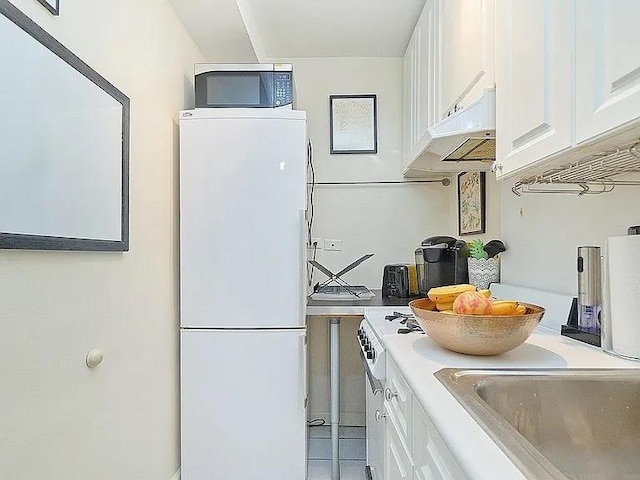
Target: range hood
{"x":468,"y":135}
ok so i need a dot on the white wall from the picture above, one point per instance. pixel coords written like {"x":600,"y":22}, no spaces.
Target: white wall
{"x":543,"y":232}
{"x":388,"y":221}
{"x":120,"y":421}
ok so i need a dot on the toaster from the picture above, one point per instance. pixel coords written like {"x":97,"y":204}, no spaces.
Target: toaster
{"x":397,"y":281}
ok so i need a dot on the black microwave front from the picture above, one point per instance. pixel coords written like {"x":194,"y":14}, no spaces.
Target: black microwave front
{"x":264,"y":85}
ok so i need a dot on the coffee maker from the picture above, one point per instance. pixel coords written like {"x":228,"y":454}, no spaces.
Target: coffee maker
{"x":441,"y":260}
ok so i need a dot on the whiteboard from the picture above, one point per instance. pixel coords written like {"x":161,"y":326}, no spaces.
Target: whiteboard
{"x":63,"y":146}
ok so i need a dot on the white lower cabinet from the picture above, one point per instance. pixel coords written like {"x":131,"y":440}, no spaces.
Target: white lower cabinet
{"x":431,"y":456}
{"x":414,"y":450}
{"x":398,"y":464}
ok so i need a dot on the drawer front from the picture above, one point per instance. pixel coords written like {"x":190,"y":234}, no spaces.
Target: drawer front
{"x":398,"y":464}
{"x":431,"y":456}
{"x":398,"y":399}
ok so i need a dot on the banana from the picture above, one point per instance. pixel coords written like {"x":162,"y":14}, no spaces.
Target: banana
{"x":486,"y":293}
{"x":448,"y":293}
{"x":444,"y":306}
{"x":520,"y":310}
{"x":504,"y":307}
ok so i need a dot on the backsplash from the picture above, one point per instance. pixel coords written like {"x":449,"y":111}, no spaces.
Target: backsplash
{"x":543,"y":231}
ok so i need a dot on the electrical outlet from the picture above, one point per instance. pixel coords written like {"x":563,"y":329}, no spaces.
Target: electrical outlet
{"x":333,"y":245}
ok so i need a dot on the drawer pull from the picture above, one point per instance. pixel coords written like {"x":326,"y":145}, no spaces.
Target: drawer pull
{"x":389,"y":395}
{"x":380,"y":416}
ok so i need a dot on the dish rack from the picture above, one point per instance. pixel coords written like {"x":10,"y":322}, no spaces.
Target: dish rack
{"x":592,"y":175}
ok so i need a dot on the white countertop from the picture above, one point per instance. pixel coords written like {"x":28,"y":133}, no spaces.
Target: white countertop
{"x":418,"y":357}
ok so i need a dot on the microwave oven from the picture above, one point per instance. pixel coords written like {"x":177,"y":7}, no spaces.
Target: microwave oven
{"x":264,"y":85}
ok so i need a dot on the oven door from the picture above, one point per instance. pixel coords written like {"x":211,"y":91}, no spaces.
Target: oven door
{"x":375,"y":424}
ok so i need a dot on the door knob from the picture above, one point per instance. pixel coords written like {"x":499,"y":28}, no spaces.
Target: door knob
{"x":389,"y":395}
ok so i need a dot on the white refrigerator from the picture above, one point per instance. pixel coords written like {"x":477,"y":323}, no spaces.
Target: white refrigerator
{"x":243,"y":295}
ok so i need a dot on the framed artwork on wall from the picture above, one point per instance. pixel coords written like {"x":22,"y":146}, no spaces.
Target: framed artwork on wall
{"x":472,"y":194}
{"x":64,"y":167}
{"x":52,"y":5}
{"x":353,"y":120}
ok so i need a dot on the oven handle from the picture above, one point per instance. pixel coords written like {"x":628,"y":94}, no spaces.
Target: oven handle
{"x":376,"y":385}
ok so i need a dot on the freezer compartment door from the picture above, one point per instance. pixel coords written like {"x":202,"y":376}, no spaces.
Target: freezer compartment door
{"x":242,"y":404}
{"x":242,"y":188}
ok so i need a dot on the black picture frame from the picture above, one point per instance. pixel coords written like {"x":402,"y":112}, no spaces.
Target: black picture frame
{"x":10,"y":240}
{"x":362,"y":118}
{"x":472,"y":199}
{"x":52,"y":5}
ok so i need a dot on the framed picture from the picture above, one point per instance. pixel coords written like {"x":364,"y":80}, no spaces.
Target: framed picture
{"x":471,"y":203}
{"x":353,"y":124}
{"x":52,"y":5}
{"x":64,"y":168}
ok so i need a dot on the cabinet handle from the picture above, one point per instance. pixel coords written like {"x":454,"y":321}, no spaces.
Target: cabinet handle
{"x":389,"y":395}
{"x":380,"y":415}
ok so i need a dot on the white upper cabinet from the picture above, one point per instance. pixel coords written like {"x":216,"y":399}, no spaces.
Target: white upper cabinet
{"x":409,"y":95}
{"x":567,"y":81}
{"x":607,"y":66}
{"x":448,"y":64}
{"x":533,"y":81}
{"x":430,"y":73}
{"x":468,"y":53}
{"x":421,"y":80}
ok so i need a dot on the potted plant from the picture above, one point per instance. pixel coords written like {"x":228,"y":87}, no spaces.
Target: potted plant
{"x":484,"y":262}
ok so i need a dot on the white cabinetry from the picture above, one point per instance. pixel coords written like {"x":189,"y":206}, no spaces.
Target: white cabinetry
{"x":431,"y":457}
{"x":533,"y":76}
{"x":607,"y":66}
{"x":414,"y":449}
{"x":567,"y":81}
{"x":397,"y":458}
{"x":421,"y":89}
{"x":411,"y":95}
{"x":449,"y":62}
{"x":468,"y":52}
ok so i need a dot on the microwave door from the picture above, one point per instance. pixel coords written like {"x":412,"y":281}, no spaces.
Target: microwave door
{"x":234,"y":89}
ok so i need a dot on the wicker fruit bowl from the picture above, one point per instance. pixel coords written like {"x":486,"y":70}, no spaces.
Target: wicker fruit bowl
{"x":476,"y":334}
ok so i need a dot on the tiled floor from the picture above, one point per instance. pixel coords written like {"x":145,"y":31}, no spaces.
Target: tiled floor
{"x":352,"y":453}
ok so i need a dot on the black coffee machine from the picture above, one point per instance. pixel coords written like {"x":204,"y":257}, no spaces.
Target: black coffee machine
{"x":441,"y":260}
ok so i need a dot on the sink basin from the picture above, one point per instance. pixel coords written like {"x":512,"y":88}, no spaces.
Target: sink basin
{"x":557,"y":424}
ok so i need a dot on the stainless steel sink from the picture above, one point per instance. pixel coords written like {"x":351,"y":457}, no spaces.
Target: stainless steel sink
{"x":557,"y":424}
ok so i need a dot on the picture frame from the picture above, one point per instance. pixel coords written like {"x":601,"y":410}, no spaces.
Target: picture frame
{"x":472,"y":193}
{"x":353,"y":124}
{"x":52,"y":5}
{"x":68,"y":189}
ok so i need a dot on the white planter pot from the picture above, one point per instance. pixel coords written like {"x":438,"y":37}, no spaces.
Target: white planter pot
{"x":483,"y":272}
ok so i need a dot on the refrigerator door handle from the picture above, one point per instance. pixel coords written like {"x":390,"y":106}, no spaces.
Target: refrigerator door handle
{"x":303,"y":371}
{"x":302,"y":217}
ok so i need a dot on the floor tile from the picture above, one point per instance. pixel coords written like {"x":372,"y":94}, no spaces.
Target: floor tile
{"x":349,"y":448}
{"x":349,"y":470}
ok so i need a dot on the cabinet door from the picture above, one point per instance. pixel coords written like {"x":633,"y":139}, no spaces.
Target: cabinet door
{"x":468,"y":54}
{"x":397,"y":460}
{"x":533,"y":81}
{"x":411,"y":93}
{"x":430,"y":71}
{"x":607,"y":66}
{"x":398,"y":399}
{"x":431,"y":456}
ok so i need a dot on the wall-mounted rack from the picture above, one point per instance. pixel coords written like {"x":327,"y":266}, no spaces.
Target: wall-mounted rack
{"x":591,"y":175}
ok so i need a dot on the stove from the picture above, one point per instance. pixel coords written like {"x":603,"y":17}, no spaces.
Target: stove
{"x":374,"y":357}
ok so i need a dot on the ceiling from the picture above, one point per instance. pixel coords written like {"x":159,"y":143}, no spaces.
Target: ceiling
{"x":218,"y":29}
{"x":232,"y":30}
